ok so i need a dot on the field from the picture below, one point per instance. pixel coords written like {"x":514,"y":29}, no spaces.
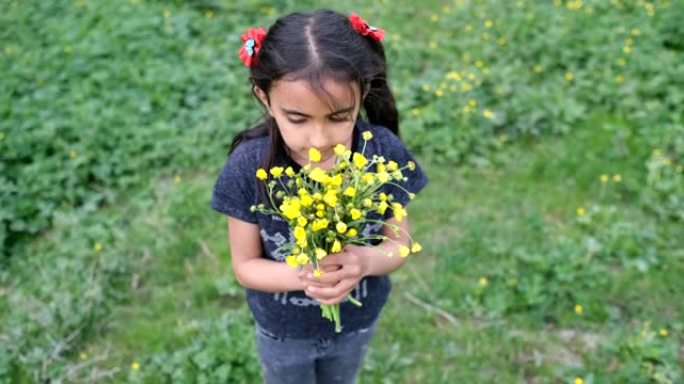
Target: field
{"x":552,"y":228}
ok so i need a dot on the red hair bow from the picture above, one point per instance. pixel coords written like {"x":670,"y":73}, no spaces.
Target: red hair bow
{"x":251,"y":40}
{"x":362,"y":27}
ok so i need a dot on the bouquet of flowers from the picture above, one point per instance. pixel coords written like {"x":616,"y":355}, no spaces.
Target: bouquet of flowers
{"x":327,"y":209}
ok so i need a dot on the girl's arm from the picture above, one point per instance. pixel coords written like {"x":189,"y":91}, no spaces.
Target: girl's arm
{"x":376,"y":260}
{"x":251,"y":269}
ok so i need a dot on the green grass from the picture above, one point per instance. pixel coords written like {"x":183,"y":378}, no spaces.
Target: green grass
{"x":115,"y":261}
{"x":472,"y":222}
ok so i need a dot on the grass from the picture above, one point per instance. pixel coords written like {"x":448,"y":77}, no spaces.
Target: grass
{"x":469,"y":220}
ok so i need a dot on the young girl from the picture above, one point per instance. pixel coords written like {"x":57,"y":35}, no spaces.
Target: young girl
{"x":314,"y":74}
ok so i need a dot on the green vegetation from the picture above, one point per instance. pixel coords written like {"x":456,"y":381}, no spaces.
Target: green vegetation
{"x":552,"y":132}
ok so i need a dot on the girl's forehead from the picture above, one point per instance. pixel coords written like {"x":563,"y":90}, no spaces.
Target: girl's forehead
{"x":302,"y":93}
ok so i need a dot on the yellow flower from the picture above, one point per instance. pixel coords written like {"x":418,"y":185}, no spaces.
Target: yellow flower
{"x":604,"y":178}
{"x":341,"y":227}
{"x":339,"y":150}
{"x":399,"y":211}
{"x":617,"y":178}
{"x":367,"y":202}
{"x":415,"y":248}
{"x":83,"y":356}
{"x":277,"y":171}
{"x":302,"y":258}
{"x":299,"y":231}
{"x":135,"y":366}
{"x":289,"y":171}
{"x":97,"y":247}
{"x":404,"y":251}
{"x":290,"y":208}
{"x":392,"y":166}
{"x":358,"y":160}
{"x":319,"y":175}
{"x":314,"y":155}
{"x":302,"y":221}
{"x":663,"y":332}
{"x":367,"y":135}
{"x":580,"y":211}
{"x":411,"y":165}
{"x":317,"y":273}
{"x":261,"y":174}
{"x":569,"y":76}
{"x":350,"y":191}
{"x":352,"y":232}
{"x":336,"y":247}
{"x":319,"y":224}
{"x":579,"y":309}
{"x":483,"y":281}
{"x":330,"y":198}
{"x":488,"y":114}
{"x":336,"y":180}
{"x":382,"y":207}
{"x":307,"y":200}
{"x":383,"y":177}
{"x":355,"y":213}
{"x":72,"y":154}
{"x":291,"y":260}
{"x":368,"y":178}
{"x":320,"y":253}
{"x":578,"y":380}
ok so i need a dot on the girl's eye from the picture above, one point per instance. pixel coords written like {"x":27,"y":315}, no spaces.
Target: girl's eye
{"x":296,"y":121}
{"x":339,"y":119}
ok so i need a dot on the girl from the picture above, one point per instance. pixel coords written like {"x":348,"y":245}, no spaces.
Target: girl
{"x":314,"y":73}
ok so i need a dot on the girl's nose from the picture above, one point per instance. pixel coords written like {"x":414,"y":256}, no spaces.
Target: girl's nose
{"x":319,"y":137}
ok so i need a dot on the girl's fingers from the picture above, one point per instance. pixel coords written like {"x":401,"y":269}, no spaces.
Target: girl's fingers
{"x":339,"y":291}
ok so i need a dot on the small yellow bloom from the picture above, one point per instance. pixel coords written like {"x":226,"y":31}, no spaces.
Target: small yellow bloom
{"x":355,"y":214}
{"x":604,"y":178}
{"x":307,"y":200}
{"x":569,"y":76}
{"x":299,"y":231}
{"x":2,"y":136}
{"x":483,"y":281}
{"x":319,"y":224}
{"x":135,"y":366}
{"x":617,"y":178}
{"x":488,"y":114}
{"x":302,"y":221}
{"x":636,"y":32}
{"x":261,"y":174}
{"x":367,"y":202}
{"x":578,"y":380}
{"x":330,"y":198}
{"x":320,"y":253}
{"x":208,"y":14}
{"x":302,"y":258}
{"x":317,"y":272}
{"x":177,"y":179}
{"x":382,"y":207}
{"x":415,"y":248}
{"x":277,"y":171}
{"x":663,"y":332}
{"x":627,"y":49}
{"x":319,"y":175}
{"x":97,"y":247}
{"x":404,"y":251}
{"x":341,"y":227}
{"x":383,"y":177}
{"x":367,"y":135}
{"x":537,"y":68}
{"x":358,"y":160}
{"x":579,"y":309}
{"x":580,"y":211}
{"x":352,"y":232}
{"x":392,"y":166}
{"x":488,"y":24}
{"x":336,"y":247}
{"x":291,"y":260}
{"x":289,"y":171}
{"x":339,"y":150}
{"x":314,"y":155}
{"x":72,"y":154}
{"x":368,"y":178}
{"x":399,"y":211}
{"x":350,"y":191}
{"x":411,"y":165}
{"x":83,"y":356}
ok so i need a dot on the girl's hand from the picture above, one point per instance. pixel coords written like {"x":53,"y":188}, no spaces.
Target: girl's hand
{"x":341,"y":274}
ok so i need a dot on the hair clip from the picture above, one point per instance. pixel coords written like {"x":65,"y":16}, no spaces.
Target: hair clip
{"x":251,"y":40}
{"x":361,"y":26}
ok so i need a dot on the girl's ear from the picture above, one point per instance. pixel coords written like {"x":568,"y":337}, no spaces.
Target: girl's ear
{"x":263,"y":97}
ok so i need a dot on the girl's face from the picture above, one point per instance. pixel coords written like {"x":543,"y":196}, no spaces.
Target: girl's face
{"x":305,"y":120}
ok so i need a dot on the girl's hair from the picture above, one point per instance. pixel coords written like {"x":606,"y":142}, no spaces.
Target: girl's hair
{"x":315,"y":46}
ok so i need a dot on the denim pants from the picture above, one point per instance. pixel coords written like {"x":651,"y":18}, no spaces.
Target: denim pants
{"x":312,"y":361}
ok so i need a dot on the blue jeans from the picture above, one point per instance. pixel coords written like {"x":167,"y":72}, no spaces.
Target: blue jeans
{"x":312,"y":361}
